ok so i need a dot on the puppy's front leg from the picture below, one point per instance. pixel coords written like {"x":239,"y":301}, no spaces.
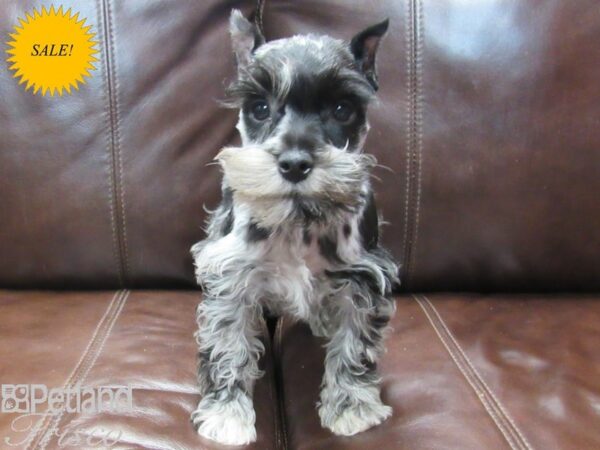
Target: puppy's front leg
{"x":350,"y":395}
{"x":228,"y":339}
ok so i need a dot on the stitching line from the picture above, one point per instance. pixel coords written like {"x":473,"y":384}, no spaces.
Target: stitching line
{"x":490,"y":402}
{"x":409,"y":64}
{"x":114,"y":143}
{"x":270,"y":367}
{"x":279,"y":375}
{"x":480,"y":395}
{"x":414,"y":44}
{"x":109,"y":164}
{"x":489,"y":390}
{"x":82,"y":371}
{"x":34,"y":439}
{"x":419,"y":30}
{"x":117,"y":131}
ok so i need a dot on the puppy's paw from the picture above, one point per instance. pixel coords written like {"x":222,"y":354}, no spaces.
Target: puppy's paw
{"x":354,"y":418}
{"x":229,"y":422}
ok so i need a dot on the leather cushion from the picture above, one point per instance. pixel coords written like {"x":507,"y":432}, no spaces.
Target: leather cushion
{"x":139,"y":339}
{"x":487,"y":122}
{"x":466,"y":372}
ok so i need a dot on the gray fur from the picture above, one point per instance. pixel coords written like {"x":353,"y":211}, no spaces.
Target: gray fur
{"x":307,"y":249}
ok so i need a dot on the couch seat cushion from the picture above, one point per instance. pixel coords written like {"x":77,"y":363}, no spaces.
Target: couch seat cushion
{"x":465,"y":372}
{"x":98,"y":339}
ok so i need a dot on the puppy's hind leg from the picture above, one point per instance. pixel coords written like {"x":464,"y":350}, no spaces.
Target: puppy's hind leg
{"x":350,"y":393}
{"x":228,"y":339}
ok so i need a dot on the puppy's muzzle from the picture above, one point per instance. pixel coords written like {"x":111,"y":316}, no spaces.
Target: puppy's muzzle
{"x":295,"y":165}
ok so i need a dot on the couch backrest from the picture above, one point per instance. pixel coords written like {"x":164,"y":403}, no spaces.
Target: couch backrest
{"x":489,"y":121}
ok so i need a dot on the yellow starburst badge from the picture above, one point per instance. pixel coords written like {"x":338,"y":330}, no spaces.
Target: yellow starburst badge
{"x":52,"y":51}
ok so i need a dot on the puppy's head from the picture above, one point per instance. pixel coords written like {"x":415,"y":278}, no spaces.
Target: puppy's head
{"x":303,"y":119}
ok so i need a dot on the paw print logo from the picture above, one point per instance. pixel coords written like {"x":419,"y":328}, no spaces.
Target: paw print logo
{"x":15,"y":398}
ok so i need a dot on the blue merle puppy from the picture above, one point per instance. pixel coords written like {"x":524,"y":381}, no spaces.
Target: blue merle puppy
{"x":297,"y":230}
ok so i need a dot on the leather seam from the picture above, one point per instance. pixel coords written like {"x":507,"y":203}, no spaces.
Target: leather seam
{"x":87,"y":360}
{"x":117,"y":131}
{"x":271,"y":377}
{"x":278,"y":373}
{"x":94,"y":357}
{"x":489,"y":390}
{"x":32,"y":439}
{"x":407,"y":174}
{"x":109,"y":164}
{"x":419,"y":30}
{"x":469,"y":380}
{"x":414,"y":45}
{"x":44,"y":426}
{"x":117,"y":200}
{"x":499,"y":415}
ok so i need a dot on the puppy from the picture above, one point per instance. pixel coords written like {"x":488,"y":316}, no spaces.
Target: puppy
{"x":296,"y":231}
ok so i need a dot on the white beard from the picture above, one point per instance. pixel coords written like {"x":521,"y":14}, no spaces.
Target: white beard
{"x":339,"y":178}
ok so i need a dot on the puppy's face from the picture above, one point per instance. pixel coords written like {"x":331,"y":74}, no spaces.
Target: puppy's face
{"x":305,"y":91}
{"x":303,"y":118}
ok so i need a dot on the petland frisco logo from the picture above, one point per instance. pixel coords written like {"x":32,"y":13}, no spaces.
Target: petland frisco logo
{"x":37,"y":398}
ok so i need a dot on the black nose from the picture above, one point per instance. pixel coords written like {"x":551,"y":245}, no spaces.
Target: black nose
{"x":295,"y":165}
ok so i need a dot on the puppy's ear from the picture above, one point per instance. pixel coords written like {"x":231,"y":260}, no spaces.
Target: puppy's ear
{"x":364,"y":47}
{"x":245,"y":38}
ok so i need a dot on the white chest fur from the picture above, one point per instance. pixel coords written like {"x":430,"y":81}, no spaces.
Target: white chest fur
{"x":284,"y":271}
{"x":293,"y":267}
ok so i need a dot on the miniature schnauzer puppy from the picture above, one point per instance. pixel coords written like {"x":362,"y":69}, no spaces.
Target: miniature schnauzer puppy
{"x":296,"y":232}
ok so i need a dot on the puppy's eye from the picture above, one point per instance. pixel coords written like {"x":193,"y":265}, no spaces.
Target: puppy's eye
{"x":343,"y":112}
{"x":260,"y":110}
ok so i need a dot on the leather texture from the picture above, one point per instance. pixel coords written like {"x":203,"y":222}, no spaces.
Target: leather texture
{"x":488,"y":136}
{"x":465,"y":372}
{"x":142,"y":339}
{"x":487,"y":125}
{"x":125,"y":160}
{"x":461,"y":371}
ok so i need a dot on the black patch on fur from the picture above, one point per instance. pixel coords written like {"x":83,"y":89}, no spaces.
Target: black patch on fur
{"x":364,"y":48}
{"x":370,"y":366}
{"x":347,"y":230}
{"x":306,"y":237}
{"x":367,"y":339}
{"x":378,"y":322}
{"x":369,"y":224}
{"x":227,"y":195}
{"x":328,"y":249}
{"x":363,"y":373}
{"x":227,"y":223}
{"x":360,"y":277}
{"x":256,"y":233}
{"x":227,"y":203}
{"x":302,"y":137}
{"x":313,"y":96}
{"x":310,"y":211}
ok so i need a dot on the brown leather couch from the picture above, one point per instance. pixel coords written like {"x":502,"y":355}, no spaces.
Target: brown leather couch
{"x":490,"y":123}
